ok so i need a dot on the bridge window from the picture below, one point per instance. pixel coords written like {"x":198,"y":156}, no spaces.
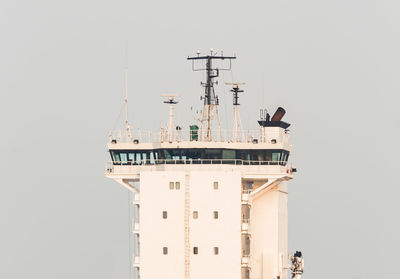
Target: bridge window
{"x":124,"y":158}
{"x":212,"y":154}
{"x":115,"y":157}
{"x":131,"y":157}
{"x":152,"y":158}
{"x":191,"y":153}
{"x":228,"y":154}
{"x":173,"y":154}
{"x":276,"y":156}
{"x":193,"y":156}
{"x":138,"y":158}
{"x":243,"y":155}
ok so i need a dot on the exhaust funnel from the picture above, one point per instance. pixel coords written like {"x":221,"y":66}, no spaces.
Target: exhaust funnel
{"x":280,"y":112}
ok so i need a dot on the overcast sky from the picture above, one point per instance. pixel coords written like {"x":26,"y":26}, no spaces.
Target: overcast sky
{"x":333,"y":65}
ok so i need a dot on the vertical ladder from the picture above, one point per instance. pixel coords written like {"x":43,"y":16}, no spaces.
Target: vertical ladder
{"x":187,"y":226}
{"x":245,"y":227}
{"x":135,"y":200}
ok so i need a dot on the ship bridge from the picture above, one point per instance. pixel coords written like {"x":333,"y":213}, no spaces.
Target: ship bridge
{"x":267,"y":149}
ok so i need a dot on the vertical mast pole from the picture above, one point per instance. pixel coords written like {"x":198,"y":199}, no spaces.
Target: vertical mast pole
{"x":235,"y":90}
{"x":127,"y":126}
{"x":235,"y":123}
{"x":171,"y":122}
{"x":208,"y":99}
{"x":170,"y":127}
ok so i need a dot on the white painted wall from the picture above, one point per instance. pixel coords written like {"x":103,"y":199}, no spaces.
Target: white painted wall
{"x":156,"y":232}
{"x":224,"y":232}
{"x":283,"y":230}
{"x":268,"y":219}
{"x":205,"y":232}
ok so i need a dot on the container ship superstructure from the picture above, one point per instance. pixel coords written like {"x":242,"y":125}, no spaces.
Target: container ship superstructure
{"x":208,"y":203}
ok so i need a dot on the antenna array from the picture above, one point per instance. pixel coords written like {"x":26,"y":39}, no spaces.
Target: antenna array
{"x":211,"y":101}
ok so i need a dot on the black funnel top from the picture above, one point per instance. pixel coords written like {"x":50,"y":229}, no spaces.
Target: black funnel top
{"x":278,"y":115}
{"x":275,"y":120}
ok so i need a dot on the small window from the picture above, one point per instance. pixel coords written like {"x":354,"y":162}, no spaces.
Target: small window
{"x":164,"y":214}
{"x":171,"y":185}
{"x":195,"y":250}
{"x":216,"y":250}
{"x":195,"y":214}
{"x":165,"y":250}
{"x":215,"y":185}
{"x":177,"y":185}
{"x":215,"y":213}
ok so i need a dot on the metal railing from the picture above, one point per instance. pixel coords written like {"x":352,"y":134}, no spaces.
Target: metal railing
{"x":198,"y":162}
{"x":163,"y":135}
{"x":149,"y":162}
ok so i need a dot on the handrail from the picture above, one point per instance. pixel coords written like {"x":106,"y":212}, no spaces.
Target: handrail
{"x":110,"y":165}
{"x":197,"y":162}
{"x":140,"y":136}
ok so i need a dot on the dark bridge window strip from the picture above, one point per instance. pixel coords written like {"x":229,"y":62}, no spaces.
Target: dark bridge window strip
{"x":200,"y":156}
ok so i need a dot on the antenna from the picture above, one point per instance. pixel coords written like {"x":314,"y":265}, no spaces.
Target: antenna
{"x":171,"y":101}
{"x":211,"y":101}
{"x":127,"y":126}
{"x":235,"y":90}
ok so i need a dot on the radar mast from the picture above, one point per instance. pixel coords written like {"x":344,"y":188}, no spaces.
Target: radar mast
{"x":211,"y":102}
{"x":236,"y":119}
{"x":170,"y":128}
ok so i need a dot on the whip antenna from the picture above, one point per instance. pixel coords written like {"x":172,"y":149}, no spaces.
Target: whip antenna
{"x":127,"y":126}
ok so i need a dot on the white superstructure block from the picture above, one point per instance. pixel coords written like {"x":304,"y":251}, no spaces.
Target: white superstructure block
{"x":218,"y":217}
{"x":215,"y":224}
{"x":269,"y":225}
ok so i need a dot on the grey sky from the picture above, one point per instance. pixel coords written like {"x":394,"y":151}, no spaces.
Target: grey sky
{"x":334,"y":66}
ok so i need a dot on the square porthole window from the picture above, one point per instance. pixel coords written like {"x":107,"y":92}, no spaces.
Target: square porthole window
{"x":216,"y":250}
{"x":177,"y":185}
{"x":165,"y":250}
{"x":215,"y":214}
{"x":164,"y":214}
{"x":195,"y":250}
{"x":171,"y":185}
{"x":195,"y":214}
{"x":215,"y":185}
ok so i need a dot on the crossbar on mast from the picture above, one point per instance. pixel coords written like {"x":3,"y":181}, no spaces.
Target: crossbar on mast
{"x":211,"y":102}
